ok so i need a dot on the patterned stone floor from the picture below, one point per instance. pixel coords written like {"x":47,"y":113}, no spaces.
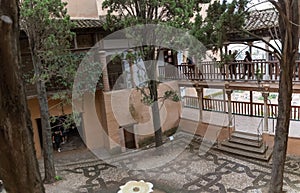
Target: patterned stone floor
{"x":213,"y":171}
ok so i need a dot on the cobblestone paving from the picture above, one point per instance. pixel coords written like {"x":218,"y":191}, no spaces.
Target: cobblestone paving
{"x":188,"y":173}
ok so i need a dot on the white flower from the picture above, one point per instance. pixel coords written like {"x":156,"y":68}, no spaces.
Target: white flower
{"x":136,"y":187}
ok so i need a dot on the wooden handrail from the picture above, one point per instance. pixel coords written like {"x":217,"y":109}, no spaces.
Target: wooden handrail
{"x":258,"y":132}
{"x":216,"y":70}
{"x":239,"y":107}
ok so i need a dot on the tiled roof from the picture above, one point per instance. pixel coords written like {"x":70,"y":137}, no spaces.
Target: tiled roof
{"x":87,"y":23}
{"x":262,"y":19}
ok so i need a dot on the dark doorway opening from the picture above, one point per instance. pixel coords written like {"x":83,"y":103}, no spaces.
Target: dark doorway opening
{"x":129,"y":138}
{"x":72,"y":139}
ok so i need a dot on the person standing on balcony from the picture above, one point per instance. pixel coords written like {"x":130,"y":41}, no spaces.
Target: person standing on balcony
{"x":247,"y":65}
{"x":191,"y":65}
{"x":232,"y":63}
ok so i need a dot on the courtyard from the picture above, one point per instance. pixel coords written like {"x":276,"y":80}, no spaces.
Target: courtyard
{"x":191,"y":170}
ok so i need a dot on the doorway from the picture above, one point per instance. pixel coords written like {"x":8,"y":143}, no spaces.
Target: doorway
{"x":129,"y":138}
{"x":72,"y":139}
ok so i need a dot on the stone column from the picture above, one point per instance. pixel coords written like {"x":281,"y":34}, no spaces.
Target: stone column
{"x":265,"y":95}
{"x":228,"y":92}
{"x":199,"y":91}
{"x":130,"y":51}
{"x":104,"y":71}
{"x":266,"y":112}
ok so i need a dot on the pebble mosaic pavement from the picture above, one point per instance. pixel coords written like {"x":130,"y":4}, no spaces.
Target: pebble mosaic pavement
{"x":189,"y":172}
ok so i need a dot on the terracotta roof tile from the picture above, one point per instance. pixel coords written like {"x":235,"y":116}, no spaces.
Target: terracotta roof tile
{"x":262,"y":19}
{"x":87,"y":23}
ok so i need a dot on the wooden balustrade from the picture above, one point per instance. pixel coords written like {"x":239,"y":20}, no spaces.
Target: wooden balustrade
{"x":214,"y":105}
{"x":215,"y":70}
{"x":238,"y":107}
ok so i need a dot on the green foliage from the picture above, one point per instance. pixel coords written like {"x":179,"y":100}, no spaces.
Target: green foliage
{"x":224,"y":60}
{"x":148,"y":99}
{"x":58,"y":178}
{"x":179,"y":14}
{"x":132,"y":12}
{"x":222,"y":17}
{"x":272,"y":96}
{"x":67,"y":122}
{"x":258,"y":74}
{"x":88,"y":74}
{"x":48,"y":28}
{"x":170,"y":94}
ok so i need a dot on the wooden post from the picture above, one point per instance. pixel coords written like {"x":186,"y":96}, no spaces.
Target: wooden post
{"x":251,"y":103}
{"x":267,"y":70}
{"x":199,"y":91}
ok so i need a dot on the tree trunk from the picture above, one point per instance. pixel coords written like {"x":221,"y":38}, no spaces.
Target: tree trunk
{"x":155,"y":113}
{"x":290,"y":40}
{"x":18,"y":164}
{"x":282,"y":130}
{"x":153,"y":89}
{"x":46,"y":132}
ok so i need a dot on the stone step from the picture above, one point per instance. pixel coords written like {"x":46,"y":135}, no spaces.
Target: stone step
{"x":246,"y":142}
{"x":255,"y":149}
{"x":265,"y":157}
{"x":247,"y":136}
{"x":245,"y":133}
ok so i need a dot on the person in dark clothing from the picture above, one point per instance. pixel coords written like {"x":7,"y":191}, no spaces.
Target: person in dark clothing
{"x":57,"y":139}
{"x":232,"y":63}
{"x":189,"y":61}
{"x":247,"y":65}
{"x":191,"y":65}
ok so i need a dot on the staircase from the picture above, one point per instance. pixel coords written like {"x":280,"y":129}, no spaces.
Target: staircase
{"x":246,"y":144}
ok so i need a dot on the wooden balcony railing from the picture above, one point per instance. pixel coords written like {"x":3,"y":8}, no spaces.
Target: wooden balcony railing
{"x":238,"y":107}
{"x":215,"y":70}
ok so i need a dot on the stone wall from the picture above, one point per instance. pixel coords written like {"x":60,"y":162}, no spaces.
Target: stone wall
{"x":124,"y":107}
{"x":293,"y":144}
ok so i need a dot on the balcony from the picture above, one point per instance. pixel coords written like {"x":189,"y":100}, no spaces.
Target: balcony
{"x":260,"y":70}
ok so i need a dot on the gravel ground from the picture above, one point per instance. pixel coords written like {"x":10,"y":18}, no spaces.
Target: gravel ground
{"x":187,"y":172}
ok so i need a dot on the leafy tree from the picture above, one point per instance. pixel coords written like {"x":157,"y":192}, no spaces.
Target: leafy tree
{"x":289,"y":34}
{"x":128,"y":13}
{"x":18,"y":164}
{"x":47,"y":27}
{"x":222,"y":17}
